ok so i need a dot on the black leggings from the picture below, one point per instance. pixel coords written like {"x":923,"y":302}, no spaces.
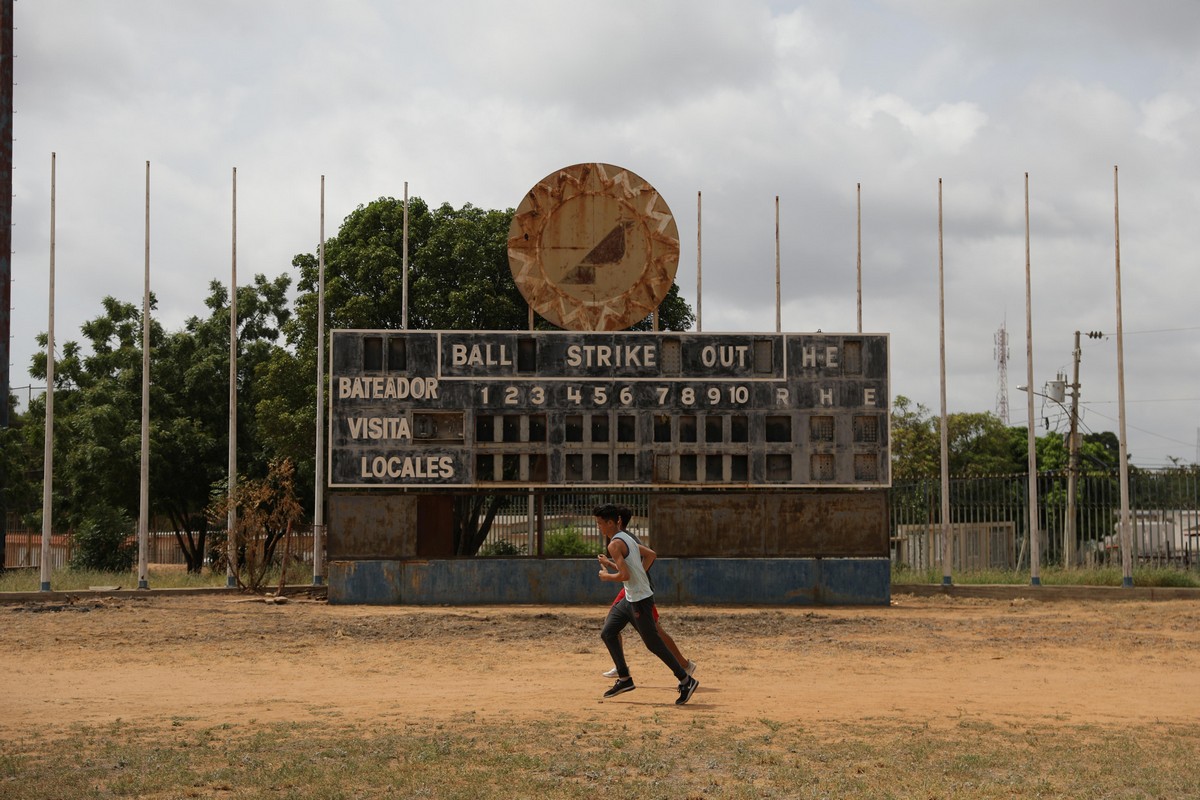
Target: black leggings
{"x":641,"y":615}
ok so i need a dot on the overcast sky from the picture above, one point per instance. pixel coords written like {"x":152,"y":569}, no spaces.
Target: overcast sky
{"x":474,"y":102}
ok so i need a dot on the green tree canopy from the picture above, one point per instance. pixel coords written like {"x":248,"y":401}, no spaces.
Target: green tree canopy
{"x":915,"y":446}
{"x":459,"y":278}
{"x":20,"y":466}
{"x":980,"y":444}
{"x":190,"y":441}
{"x":98,"y":402}
{"x":97,"y":414}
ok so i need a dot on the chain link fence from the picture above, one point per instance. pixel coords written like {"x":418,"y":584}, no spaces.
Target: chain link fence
{"x":989,"y":523}
{"x":990,"y":520}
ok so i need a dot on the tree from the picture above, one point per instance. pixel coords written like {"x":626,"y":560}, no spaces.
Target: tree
{"x":1100,"y":452}
{"x":473,"y":517}
{"x":98,"y":404}
{"x":978,"y":443}
{"x":104,"y":542}
{"x":916,"y":443}
{"x":191,"y":441}
{"x":97,"y":413}
{"x":267,"y":509}
{"x":285,"y":418}
{"x":1052,"y":453}
{"x":20,"y":465}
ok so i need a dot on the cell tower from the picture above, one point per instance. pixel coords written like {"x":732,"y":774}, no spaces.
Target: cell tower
{"x":1002,"y":370}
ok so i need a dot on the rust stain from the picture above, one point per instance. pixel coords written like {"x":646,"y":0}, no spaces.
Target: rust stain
{"x":593,"y":247}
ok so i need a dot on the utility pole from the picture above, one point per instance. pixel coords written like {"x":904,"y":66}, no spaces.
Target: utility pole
{"x":1072,"y":463}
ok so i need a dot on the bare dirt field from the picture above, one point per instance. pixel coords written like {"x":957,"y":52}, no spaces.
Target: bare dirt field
{"x":227,"y":697}
{"x":935,"y":664}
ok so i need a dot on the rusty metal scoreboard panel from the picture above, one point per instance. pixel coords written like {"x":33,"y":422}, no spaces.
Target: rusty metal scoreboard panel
{"x":508,"y":409}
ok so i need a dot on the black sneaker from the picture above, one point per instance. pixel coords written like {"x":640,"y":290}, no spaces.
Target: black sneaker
{"x":686,"y":689}
{"x":620,"y":687}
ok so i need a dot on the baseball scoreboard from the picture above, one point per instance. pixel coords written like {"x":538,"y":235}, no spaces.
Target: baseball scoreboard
{"x":670,"y":410}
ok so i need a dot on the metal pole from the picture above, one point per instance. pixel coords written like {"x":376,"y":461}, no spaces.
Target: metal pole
{"x":530,"y":519}
{"x":699,"y":251}
{"x":859,"y":235}
{"x":947,"y":549}
{"x":1126,"y":528}
{"x":144,"y":476}
{"x":1073,"y":463}
{"x":404,"y":264}
{"x":48,"y":465}
{"x":778,"y":298}
{"x":1035,"y":547}
{"x":231,"y":523}
{"x":319,"y":487}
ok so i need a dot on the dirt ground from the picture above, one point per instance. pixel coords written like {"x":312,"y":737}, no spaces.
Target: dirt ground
{"x":208,"y":660}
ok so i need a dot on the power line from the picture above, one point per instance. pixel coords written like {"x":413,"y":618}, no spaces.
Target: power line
{"x":1148,"y":433}
{"x":1164,"y":330}
{"x":1151,"y":400}
{"x":1101,"y":335}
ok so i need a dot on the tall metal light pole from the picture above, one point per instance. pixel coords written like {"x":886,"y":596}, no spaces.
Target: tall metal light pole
{"x":48,"y":462}
{"x":144,"y":475}
{"x":947,"y":545}
{"x":231,"y":517}
{"x":778,"y":289}
{"x":858,"y":235}
{"x":319,"y":499}
{"x":1126,"y":526}
{"x":404,"y":264}
{"x":1035,"y":545}
{"x":699,"y":266}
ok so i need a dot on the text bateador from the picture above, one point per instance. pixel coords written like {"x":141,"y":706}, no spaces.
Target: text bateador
{"x":380,"y":388}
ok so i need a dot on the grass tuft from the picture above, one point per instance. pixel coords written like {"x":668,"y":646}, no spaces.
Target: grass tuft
{"x":167,"y":576}
{"x":1053,"y":576}
{"x":469,"y":759}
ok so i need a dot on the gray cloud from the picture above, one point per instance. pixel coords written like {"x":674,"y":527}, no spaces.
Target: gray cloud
{"x":473,"y":102}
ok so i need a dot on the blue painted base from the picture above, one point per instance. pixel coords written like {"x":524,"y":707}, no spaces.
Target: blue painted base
{"x":45,"y":586}
{"x":568,"y":581}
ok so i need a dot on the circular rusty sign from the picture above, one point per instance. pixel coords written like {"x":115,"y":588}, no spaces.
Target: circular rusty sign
{"x":593,"y":247}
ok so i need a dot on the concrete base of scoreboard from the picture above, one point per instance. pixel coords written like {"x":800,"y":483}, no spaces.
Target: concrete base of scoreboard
{"x":573,"y":581}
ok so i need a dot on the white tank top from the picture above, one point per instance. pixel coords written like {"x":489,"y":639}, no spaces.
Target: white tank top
{"x":638,"y":586}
